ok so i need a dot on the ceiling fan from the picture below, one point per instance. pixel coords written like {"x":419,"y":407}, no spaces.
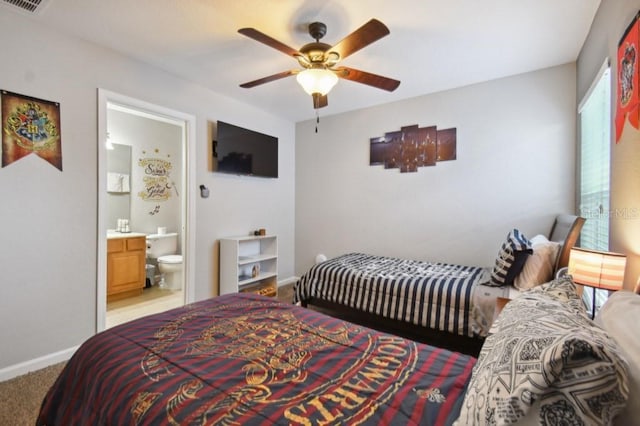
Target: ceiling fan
{"x":319,"y":60}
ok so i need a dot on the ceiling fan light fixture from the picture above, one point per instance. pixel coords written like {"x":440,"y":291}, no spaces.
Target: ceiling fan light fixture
{"x":317,"y":80}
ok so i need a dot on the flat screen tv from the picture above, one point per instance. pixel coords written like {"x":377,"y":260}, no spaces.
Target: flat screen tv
{"x":241,"y":151}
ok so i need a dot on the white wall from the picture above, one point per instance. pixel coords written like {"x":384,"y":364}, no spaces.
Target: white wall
{"x":48,"y":240}
{"x":608,"y":26}
{"x":514,"y":168}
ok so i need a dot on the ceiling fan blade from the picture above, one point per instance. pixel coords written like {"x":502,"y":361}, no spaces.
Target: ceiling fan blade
{"x":319,"y":101}
{"x":363,"y":36}
{"x":269,"y":41}
{"x":364,"y":77}
{"x":268,"y":79}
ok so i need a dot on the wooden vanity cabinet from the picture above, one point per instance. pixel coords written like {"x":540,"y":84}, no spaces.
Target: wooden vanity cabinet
{"x":125,"y":267}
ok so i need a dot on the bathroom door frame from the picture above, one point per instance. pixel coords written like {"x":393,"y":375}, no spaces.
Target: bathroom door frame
{"x":188,"y":123}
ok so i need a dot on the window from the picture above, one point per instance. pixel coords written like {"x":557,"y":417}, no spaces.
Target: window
{"x":595,"y":139}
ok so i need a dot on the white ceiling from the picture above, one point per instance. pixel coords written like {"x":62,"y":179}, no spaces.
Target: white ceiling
{"x":434,"y":45}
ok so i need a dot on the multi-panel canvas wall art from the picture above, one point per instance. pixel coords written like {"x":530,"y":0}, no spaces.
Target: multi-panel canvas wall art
{"x":412,"y":147}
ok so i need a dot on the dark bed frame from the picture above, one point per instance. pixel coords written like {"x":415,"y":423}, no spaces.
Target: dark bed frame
{"x":464,"y":344}
{"x":565,"y":229}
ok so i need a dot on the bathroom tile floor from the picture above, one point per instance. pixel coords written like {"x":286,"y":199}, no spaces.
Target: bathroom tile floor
{"x":151,"y":301}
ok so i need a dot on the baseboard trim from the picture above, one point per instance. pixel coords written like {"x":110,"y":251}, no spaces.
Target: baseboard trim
{"x":12,"y":371}
{"x":287,"y":281}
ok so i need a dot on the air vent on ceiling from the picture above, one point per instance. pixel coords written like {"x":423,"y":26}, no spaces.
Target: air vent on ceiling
{"x":30,"y":6}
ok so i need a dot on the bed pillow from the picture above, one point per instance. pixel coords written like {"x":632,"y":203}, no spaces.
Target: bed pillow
{"x":546,"y":363}
{"x":539,"y":267}
{"x":618,"y":317}
{"x":511,"y":258}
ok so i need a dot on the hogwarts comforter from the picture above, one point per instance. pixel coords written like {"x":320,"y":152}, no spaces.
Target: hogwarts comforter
{"x":251,"y":360}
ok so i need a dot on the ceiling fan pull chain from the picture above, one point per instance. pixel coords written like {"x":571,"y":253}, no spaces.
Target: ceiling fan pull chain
{"x":317,"y":120}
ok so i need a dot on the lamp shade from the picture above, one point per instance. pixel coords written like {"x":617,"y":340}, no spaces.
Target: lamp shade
{"x":597,"y":269}
{"x":317,"y":80}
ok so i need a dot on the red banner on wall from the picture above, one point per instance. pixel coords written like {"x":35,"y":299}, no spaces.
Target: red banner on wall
{"x":627,"y":99}
{"x":30,"y":126}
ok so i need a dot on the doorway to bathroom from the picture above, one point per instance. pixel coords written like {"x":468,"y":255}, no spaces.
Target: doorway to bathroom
{"x":145,"y":165}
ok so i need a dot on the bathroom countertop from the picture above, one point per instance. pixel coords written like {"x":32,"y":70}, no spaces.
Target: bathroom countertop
{"x":115,"y":234}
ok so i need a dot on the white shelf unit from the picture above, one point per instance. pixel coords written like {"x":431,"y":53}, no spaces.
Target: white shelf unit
{"x":240,"y":256}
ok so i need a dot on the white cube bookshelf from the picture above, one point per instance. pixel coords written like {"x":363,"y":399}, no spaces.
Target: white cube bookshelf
{"x":249,"y":263}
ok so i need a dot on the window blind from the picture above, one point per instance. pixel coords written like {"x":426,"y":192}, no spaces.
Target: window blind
{"x":595,"y":139}
{"x":595,"y":135}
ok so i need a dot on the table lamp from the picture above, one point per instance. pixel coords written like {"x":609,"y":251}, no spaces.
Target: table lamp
{"x":597,"y":269}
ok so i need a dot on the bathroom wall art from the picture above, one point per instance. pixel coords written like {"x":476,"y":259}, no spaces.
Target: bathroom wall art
{"x":157,"y":184}
{"x":412,"y":147}
{"x":30,"y":126}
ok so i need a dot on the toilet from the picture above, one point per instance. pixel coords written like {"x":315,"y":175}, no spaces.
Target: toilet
{"x":163,"y":248}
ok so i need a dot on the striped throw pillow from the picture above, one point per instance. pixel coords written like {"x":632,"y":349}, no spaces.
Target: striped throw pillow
{"x":511,"y":258}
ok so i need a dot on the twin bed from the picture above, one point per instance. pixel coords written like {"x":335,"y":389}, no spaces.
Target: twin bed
{"x":247,"y":359}
{"x":425,"y":301}
{"x":383,"y":292}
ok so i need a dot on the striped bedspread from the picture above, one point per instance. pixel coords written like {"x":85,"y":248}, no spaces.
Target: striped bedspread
{"x":434,"y":295}
{"x":245,"y":359}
